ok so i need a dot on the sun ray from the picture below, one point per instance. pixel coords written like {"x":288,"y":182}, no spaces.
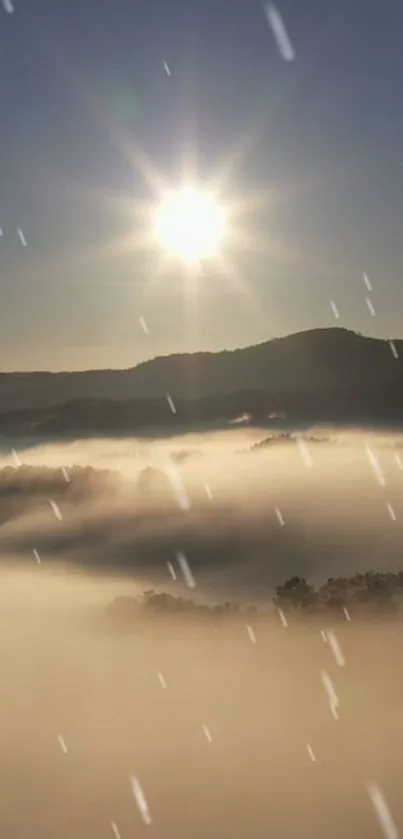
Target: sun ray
{"x":230,"y":274}
{"x":140,"y":214}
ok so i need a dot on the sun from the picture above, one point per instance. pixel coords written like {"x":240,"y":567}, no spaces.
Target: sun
{"x":190,"y":224}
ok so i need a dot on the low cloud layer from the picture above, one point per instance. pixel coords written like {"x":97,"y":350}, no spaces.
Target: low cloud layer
{"x":315,"y":508}
{"x":180,"y":729}
{"x":186,"y":730}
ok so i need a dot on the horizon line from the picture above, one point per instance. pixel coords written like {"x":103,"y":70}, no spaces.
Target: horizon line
{"x":43,"y":372}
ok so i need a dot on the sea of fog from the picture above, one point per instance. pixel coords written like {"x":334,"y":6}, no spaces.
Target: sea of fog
{"x":174,"y":729}
{"x":260,"y":509}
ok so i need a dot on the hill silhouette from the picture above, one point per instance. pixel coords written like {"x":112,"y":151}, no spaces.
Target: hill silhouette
{"x":330,"y":375}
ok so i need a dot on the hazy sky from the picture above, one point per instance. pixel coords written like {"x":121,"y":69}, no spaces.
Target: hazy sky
{"x":320,"y":136}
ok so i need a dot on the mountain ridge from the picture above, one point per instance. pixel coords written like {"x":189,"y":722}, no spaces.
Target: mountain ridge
{"x":314,"y":356}
{"x":317,"y":375}
{"x":339,"y":330}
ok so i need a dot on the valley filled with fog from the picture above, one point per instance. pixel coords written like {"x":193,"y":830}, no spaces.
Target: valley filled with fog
{"x":241,"y":725}
{"x":247,"y":509}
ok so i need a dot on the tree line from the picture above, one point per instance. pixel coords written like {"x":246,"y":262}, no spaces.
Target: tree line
{"x":372,"y":592}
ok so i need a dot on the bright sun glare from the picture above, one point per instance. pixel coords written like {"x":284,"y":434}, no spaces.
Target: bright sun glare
{"x":190,"y":224}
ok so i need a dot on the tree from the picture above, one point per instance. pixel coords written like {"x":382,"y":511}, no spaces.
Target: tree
{"x":295,"y":593}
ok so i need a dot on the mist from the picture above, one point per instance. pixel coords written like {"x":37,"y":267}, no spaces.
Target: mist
{"x":176,"y":727}
{"x":256,"y":514}
{"x":228,"y":731}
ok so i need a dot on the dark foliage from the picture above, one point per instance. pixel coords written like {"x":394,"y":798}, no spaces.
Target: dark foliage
{"x":372,"y":592}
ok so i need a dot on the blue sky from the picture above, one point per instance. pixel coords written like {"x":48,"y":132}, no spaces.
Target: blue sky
{"x":322,"y":137}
